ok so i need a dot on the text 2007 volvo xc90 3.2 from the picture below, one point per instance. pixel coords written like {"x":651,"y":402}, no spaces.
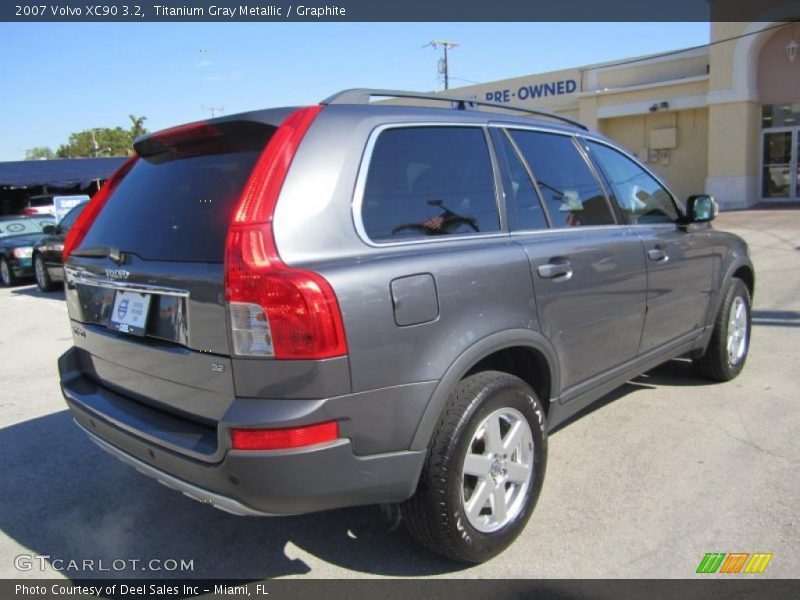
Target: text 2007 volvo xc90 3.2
{"x":300,"y":309}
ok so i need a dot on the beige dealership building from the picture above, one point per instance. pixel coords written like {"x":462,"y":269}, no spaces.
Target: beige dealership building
{"x":722,"y":119}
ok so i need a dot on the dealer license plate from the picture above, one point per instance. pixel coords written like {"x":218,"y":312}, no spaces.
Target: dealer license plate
{"x":130,"y":312}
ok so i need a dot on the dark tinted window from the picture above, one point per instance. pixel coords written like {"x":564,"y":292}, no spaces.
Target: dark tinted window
{"x":70,"y":217}
{"x":573,"y":196}
{"x":638,"y":194}
{"x":523,"y":209}
{"x":429,"y":181}
{"x":177,"y":202}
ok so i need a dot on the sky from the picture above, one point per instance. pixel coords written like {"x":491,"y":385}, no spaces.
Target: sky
{"x":61,"y":78}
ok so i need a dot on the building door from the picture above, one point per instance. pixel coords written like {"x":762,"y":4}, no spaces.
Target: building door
{"x":780,"y":179}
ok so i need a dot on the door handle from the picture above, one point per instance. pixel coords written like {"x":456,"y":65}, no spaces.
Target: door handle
{"x":557,"y":268}
{"x":657,"y":254}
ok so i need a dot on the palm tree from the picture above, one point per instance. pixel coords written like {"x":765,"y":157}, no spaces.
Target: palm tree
{"x":137,"y":126}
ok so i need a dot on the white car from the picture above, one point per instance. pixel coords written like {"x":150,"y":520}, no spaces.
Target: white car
{"x":40,"y":205}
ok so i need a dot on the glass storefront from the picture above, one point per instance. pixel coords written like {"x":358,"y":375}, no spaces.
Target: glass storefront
{"x":780,"y":170}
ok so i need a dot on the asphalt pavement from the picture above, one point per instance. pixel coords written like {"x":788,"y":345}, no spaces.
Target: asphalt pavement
{"x":644,"y":484}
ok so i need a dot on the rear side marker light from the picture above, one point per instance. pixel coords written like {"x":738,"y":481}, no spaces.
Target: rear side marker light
{"x":280,"y":439}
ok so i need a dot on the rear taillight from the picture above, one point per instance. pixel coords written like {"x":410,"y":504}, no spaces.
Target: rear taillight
{"x":279,"y":439}
{"x":276,"y":310}
{"x":84,"y":221}
{"x":29,"y":212}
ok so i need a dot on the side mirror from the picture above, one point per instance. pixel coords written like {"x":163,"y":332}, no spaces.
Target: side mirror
{"x":701,"y":209}
{"x":49,"y":229}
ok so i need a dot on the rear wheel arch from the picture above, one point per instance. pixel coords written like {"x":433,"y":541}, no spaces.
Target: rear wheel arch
{"x":525,"y":362}
{"x":523,"y":353}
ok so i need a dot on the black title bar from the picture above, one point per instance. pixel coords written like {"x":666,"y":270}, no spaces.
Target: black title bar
{"x":400,"y":10}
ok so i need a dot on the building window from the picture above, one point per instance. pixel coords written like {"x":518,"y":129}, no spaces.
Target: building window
{"x":786,"y":114}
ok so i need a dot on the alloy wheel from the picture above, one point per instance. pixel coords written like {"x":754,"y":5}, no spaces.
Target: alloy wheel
{"x":737,"y":331}
{"x":497,"y":471}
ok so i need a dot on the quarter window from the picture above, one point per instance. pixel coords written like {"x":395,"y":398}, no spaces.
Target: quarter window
{"x":638,"y":194}
{"x":429,"y":182}
{"x":570,"y":190}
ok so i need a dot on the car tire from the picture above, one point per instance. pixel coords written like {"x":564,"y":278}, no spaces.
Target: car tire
{"x":7,"y":277}
{"x":42,"y":276}
{"x":43,"y":281}
{"x":474,"y":495}
{"x":727,"y":349}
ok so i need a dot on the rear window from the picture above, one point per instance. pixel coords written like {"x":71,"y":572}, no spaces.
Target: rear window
{"x":177,"y":202}
{"x":24,"y":225}
{"x":429,"y":182}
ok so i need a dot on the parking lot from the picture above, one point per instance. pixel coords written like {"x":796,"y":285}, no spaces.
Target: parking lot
{"x":658,"y":473}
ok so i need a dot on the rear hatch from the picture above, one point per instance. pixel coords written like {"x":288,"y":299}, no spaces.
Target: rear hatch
{"x":145,"y":286}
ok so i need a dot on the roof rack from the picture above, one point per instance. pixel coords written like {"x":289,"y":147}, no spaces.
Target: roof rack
{"x":363,"y":96}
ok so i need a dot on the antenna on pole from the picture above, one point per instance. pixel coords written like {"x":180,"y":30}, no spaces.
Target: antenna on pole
{"x":442,"y":65}
{"x":214,"y":109}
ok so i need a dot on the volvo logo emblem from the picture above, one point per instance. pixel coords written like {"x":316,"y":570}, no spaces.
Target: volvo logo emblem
{"x":122,"y":309}
{"x":117,"y":273}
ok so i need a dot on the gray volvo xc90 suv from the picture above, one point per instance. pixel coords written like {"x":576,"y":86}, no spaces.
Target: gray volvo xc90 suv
{"x":300,"y":309}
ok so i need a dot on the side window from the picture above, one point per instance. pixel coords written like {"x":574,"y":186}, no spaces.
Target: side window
{"x":570,"y":190}
{"x":71,"y":217}
{"x":524,"y":211}
{"x":429,"y":181}
{"x":638,"y":194}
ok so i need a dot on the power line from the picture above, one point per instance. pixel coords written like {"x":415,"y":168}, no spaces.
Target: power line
{"x":682,"y":50}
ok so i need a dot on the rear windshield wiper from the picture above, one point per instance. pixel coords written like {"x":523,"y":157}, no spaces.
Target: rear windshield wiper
{"x":114,"y":254}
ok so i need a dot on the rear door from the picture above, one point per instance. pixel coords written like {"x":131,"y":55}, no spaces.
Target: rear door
{"x":145,"y":288}
{"x":679,"y":259}
{"x":588,"y":271}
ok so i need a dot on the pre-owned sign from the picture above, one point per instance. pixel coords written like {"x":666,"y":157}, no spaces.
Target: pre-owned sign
{"x":537,"y":90}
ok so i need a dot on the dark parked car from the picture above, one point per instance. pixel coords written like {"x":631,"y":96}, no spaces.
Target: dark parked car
{"x":48,"y":263}
{"x":300,"y":309}
{"x":18,"y":234}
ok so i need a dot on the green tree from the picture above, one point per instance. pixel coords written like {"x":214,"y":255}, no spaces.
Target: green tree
{"x":39,"y":152}
{"x":100,"y":141}
{"x":137,"y":126}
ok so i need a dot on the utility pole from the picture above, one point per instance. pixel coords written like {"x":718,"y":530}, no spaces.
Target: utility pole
{"x":214,"y":109}
{"x":443,"y":66}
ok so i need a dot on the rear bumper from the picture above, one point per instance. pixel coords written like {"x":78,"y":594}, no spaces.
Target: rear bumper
{"x":56,"y":273}
{"x":196,"y":493}
{"x":196,"y":458}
